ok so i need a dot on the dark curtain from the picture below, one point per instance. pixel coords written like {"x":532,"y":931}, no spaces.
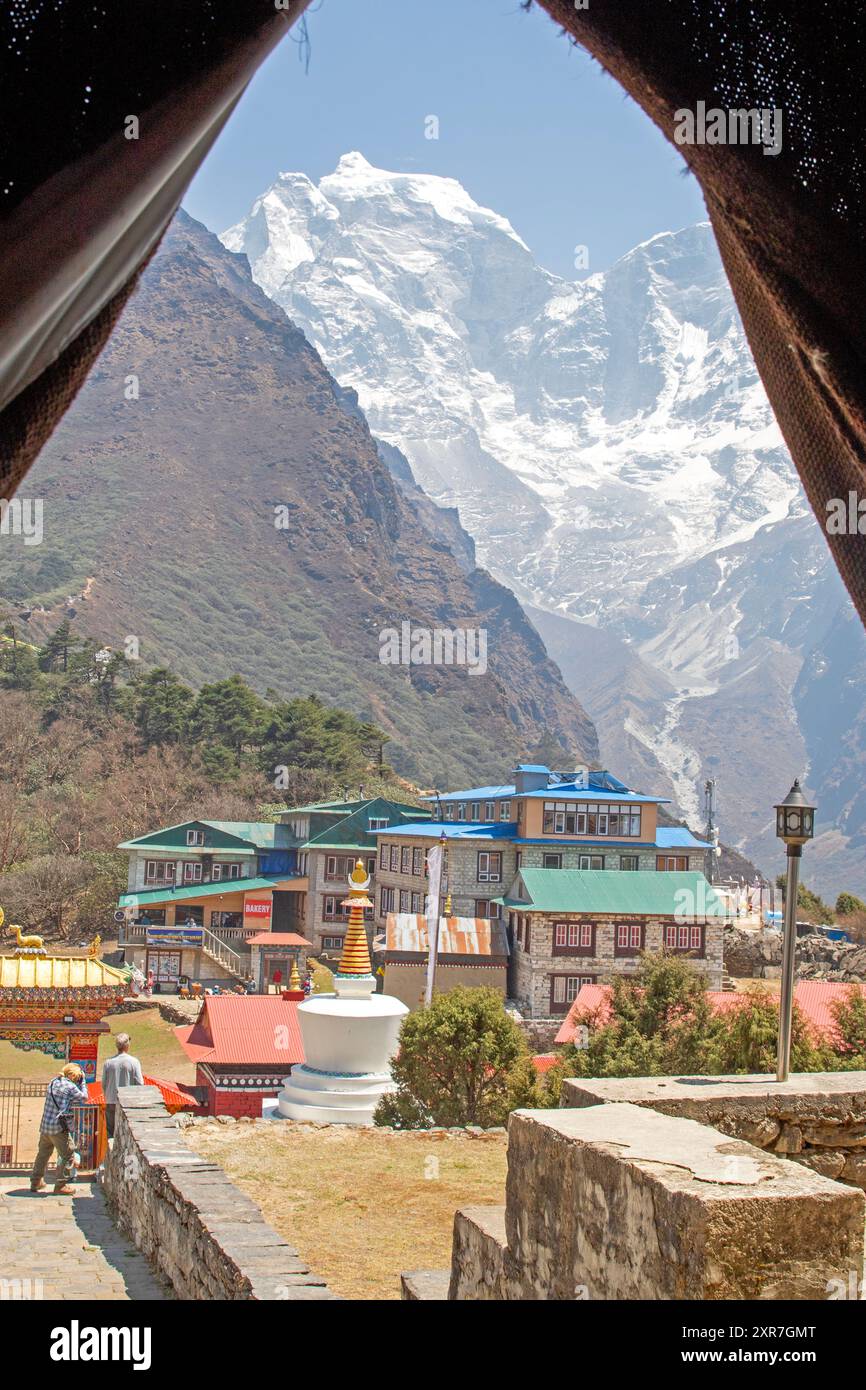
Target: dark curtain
{"x":790,"y":227}
{"x":83,"y":205}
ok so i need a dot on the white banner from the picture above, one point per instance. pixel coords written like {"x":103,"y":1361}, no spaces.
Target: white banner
{"x":435,"y":860}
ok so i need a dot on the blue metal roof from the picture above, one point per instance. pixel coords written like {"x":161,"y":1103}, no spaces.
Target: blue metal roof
{"x":464,"y":831}
{"x":568,"y":792}
{"x":473,"y":794}
{"x":678,"y":837}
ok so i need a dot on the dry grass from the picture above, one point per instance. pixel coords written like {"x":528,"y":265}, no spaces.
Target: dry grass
{"x":359,"y":1205}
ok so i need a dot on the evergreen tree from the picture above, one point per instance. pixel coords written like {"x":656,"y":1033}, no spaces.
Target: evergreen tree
{"x":162,"y":705}
{"x":456,"y":1064}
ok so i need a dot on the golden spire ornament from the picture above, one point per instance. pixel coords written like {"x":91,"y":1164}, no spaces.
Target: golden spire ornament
{"x":355,"y":959}
{"x":294,"y":977}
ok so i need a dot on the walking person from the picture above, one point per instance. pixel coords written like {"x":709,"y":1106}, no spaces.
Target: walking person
{"x":56,"y":1130}
{"x":122,"y":1070}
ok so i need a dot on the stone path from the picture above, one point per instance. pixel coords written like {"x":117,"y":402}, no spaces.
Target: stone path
{"x":70,"y":1244}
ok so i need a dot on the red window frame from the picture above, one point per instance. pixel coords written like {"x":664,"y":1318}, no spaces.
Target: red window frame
{"x":628,"y":938}
{"x":573,"y":938}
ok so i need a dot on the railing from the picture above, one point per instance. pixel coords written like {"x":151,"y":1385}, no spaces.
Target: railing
{"x":224,"y":955}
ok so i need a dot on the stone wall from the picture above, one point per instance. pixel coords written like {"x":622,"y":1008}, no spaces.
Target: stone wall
{"x":622,"y":1202}
{"x":818,"y":1119}
{"x":531,"y":970}
{"x":199,"y":1232}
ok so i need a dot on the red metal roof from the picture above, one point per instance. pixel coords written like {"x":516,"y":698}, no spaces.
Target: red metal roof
{"x":543,"y":1061}
{"x":245,"y":1030}
{"x":278,"y":938}
{"x":174,"y":1096}
{"x":813,"y":998}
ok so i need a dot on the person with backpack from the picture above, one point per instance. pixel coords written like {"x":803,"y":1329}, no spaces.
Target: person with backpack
{"x":57,"y":1130}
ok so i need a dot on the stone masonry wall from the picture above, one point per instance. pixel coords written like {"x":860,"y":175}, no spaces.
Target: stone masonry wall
{"x":197,"y":1229}
{"x":531,"y":970}
{"x":818,"y":1119}
{"x":621,"y":1202}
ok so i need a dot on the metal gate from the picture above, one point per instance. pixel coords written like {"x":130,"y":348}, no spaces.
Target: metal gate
{"x":19,"y":1127}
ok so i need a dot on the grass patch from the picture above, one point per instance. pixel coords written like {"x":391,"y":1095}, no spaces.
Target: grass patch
{"x":359,"y":1205}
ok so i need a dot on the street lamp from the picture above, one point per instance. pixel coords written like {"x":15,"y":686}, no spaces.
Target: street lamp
{"x":795,"y":824}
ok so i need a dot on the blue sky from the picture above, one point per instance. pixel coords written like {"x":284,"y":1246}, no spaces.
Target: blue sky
{"x":527,"y":123}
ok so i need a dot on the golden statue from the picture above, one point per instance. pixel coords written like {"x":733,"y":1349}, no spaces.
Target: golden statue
{"x":26,"y":943}
{"x":94,"y":947}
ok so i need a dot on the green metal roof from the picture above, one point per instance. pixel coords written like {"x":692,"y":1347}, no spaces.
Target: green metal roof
{"x":199,"y":890}
{"x":645,"y":893}
{"x":226,"y":834}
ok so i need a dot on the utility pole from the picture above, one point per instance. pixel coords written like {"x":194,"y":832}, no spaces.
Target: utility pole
{"x":711,"y":835}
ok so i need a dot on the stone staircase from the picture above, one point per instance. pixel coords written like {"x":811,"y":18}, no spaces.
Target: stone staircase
{"x":224,"y":955}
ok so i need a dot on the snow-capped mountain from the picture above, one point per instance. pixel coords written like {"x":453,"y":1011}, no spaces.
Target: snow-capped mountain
{"x":610,"y":448}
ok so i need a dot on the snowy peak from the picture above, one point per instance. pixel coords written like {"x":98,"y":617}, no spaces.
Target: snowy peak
{"x":607,"y":442}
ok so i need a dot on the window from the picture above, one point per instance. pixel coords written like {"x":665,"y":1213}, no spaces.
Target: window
{"x":216,"y":872}
{"x":378,"y":823}
{"x":518,"y":859}
{"x":332,"y":943}
{"x":406,"y":859}
{"x":629,"y":861}
{"x":418,"y":861}
{"x":564,"y":989}
{"x":482,"y":907}
{"x":553,"y":861}
{"x":475,"y":811}
{"x":192,"y":871}
{"x":231,"y":870}
{"x":387,"y":898}
{"x":461,"y":810}
{"x":370,"y":862}
{"x":395,"y":859}
{"x":404,"y":900}
{"x":490,"y":810}
{"x":417,"y":902}
{"x":505,"y":810}
{"x":628,"y":938}
{"x":448,"y":811}
{"x":672,"y":863}
{"x":590,"y":861}
{"x":195,"y":837}
{"x":223,"y":920}
{"x":330,"y":908}
{"x":684,"y":938}
{"x":495,"y":911}
{"x":527,"y":935}
{"x":159,"y":871}
{"x":383,"y":856}
{"x":574,"y":938}
{"x":489,"y":866}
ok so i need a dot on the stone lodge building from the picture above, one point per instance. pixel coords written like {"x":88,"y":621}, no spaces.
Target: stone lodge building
{"x":569,"y":928}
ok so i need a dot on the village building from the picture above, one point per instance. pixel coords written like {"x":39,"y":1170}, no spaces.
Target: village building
{"x":243,"y":1047}
{"x":543,"y":819}
{"x":472,"y":951}
{"x":199,"y":891}
{"x":329,"y":837}
{"x":572,"y":927}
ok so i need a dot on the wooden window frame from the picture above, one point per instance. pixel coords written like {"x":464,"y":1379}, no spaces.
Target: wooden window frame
{"x":630,"y":948}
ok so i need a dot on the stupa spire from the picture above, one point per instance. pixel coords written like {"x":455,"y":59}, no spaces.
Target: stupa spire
{"x":355,"y":959}
{"x":294,"y":977}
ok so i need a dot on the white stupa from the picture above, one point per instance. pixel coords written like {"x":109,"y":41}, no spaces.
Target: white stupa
{"x":349,"y":1036}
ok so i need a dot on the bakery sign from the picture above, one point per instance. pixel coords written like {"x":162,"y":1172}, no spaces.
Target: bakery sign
{"x":257,"y":908}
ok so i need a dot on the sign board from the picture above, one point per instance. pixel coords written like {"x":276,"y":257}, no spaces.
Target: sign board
{"x":174,"y":936}
{"x":257,"y":907}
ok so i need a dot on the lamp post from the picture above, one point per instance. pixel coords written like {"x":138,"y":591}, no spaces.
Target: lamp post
{"x":795,"y":824}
